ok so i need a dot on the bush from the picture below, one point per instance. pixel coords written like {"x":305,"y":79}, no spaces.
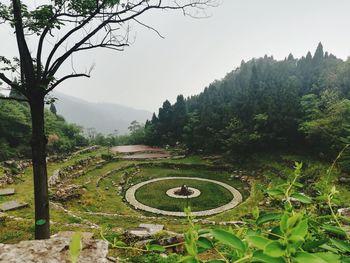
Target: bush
{"x":107,"y":156}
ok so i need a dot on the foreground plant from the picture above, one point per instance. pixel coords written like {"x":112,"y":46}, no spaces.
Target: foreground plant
{"x":292,"y":235}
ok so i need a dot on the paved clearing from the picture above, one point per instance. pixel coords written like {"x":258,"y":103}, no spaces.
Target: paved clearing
{"x":136,"y":148}
{"x":144,"y":156}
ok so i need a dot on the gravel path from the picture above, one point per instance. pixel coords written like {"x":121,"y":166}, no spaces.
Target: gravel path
{"x":130,"y":197}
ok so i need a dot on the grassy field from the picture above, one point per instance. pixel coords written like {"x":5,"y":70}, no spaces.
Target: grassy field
{"x":104,"y":205}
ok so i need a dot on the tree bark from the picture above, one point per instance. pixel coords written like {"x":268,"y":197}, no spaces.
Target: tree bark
{"x":39,"y":142}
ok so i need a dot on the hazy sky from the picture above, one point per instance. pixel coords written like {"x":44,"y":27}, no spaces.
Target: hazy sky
{"x":195,"y":52}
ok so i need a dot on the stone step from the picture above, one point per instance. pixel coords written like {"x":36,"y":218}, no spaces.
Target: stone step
{"x":7,"y":191}
{"x":12,"y":205}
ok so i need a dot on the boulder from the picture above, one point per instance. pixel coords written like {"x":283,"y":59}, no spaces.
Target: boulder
{"x":67,"y":192}
{"x":54,"y":178}
{"x":54,"y":250}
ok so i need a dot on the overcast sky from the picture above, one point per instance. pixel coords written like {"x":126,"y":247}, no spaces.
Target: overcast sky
{"x":195,"y":52}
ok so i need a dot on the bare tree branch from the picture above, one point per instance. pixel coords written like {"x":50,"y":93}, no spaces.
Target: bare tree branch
{"x":54,"y":85}
{"x":5,"y":79}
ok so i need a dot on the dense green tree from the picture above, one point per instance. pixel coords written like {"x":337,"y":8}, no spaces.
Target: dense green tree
{"x":264,"y":104}
{"x":53,"y":108}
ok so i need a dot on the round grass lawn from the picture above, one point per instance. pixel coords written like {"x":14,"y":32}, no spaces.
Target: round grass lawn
{"x":154,"y":195}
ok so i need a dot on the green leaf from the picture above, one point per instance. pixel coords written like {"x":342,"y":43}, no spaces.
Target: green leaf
{"x":345,"y":260}
{"x":342,"y":245}
{"x":328,"y":257}
{"x":215,"y":261}
{"x":120,"y":243}
{"x":284,"y":223}
{"x":334,"y":230}
{"x":40,"y":222}
{"x":75,"y":247}
{"x":204,"y":243}
{"x":314,"y":244}
{"x":302,"y":198}
{"x":155,"y":247}
{"x":300,"y":231}
{"x":261,"y":257}
{"x":188,"y":259}
{"x":275,"y":233}
{"x":304,"y":257}
{"x":293,"y":220}
{"x":258,"y":241}
{"x":275,"y":192}
{"x":203,"y":231}
{"x":228,"y":239}
{"x":329,"y":248}
{"x":297,"y":184}
{"x":275,"y":249}
{"x":268,"y":218}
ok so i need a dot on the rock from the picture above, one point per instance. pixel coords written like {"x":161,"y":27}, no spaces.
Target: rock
{"x":55,"y":178}
{"x":86,"y":236}
{"x":54,"y":250}
{"x":344,"y":180}
{"x":344,"y":212}
{"x":7,"y":191}
{"x":137,"y":233}
{"x":12,"y":205}
{"x":176,"y":239}
{"x":143,"y":231}
{"x":152,"y":228}
{"x":67,"y":192}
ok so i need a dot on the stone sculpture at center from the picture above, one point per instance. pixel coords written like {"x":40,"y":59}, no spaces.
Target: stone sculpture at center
{"x":184,"y":191}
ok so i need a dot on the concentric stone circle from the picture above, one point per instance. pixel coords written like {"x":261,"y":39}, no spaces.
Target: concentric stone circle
{"x":171,"y":193}
{"x":131,"y":199}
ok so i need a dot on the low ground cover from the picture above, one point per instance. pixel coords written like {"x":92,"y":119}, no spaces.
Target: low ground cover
{"x":104,"y":205}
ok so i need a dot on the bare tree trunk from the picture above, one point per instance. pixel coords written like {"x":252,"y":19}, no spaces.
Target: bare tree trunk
{"x":39,"y":141}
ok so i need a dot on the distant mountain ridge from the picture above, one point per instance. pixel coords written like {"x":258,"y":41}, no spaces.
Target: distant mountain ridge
{"x":103,"y":117}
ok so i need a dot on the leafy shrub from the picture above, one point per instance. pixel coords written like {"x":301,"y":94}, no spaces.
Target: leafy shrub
{"x":107,"y":156}
{"x":288,"y":236}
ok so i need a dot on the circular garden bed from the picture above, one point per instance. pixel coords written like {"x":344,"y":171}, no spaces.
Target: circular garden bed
{"x":151,"y":196}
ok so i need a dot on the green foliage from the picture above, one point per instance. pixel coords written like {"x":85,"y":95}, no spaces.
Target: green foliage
{"x":15,"y":131}
{"x":293,"y":235}
{"x":264,"y":104}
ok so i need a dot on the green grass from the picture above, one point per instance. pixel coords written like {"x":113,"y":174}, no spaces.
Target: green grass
{"x":154,"y":195}
{"x":273,"y":169}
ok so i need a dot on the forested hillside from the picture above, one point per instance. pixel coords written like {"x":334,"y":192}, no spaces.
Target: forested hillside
{"x":264,"y":104}
{"x":15,"y":131}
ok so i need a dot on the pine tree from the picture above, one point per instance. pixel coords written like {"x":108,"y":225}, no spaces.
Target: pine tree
{"x":53,"y":108}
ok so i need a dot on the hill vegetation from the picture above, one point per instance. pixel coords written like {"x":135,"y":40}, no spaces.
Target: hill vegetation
{"x":264,"y":104}
{"x":15,"y":131}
